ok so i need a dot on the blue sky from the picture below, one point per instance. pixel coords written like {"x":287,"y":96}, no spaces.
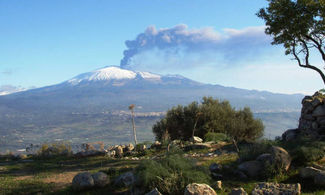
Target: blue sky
{"x":45,"y":42}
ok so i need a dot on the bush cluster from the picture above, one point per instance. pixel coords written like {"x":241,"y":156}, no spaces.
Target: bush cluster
{"x":54,"y":149}
{"x":211,"y":115}
{"x":170,"y":175}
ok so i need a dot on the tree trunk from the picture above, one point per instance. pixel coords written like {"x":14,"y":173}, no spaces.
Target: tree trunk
{"x":134,"y":131}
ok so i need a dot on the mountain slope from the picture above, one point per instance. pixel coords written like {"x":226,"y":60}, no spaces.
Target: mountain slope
{"x":86,"y":105}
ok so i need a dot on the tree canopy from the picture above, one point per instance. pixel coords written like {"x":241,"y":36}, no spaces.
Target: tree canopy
{"x":299,"y":25}
{"x":215,"y":116}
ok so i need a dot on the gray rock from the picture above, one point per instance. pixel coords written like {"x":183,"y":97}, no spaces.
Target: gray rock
{"x":251,"y":168}
{"x":309,"y":172}
{"x":238,"y":191}
{"x":83,"y":181}
{"x":281,"y":158}
{"x":289,"y":134}
{"x":265,"y":158}
{"x":125,"y":180}
{"x":199,"y":189}
{"x":154,"y":192}
{"x":277,"y":189}
{"x":100,"y":179}
{"x":319,"y":111}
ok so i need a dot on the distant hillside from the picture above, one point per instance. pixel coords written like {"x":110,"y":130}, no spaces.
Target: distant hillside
{"x":84,"y":106}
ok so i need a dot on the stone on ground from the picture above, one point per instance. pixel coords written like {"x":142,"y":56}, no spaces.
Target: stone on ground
{"x":277,"y":189}
{"x":196,"y":139}
{"x":83,"y":181}
{"x":309,"y":172}
{"x":199,"y":189}
{"x":100,"y":179}
{"x":125,"y":180}
{"x":280,"y":157}
{"x":251,"y":168}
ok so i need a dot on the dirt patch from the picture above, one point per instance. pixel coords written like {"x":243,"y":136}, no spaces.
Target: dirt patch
{"x":25,"y":177}
{"x":60,"y":178}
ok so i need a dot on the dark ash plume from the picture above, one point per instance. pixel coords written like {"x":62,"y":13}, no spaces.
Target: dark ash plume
{"x":231,"y":44}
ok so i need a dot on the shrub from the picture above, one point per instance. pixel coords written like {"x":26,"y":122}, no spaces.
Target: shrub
{"x":304,"y":150}
{"x":216,"y":137}
{"x":251,"y":151}
{"x":55,"y":149}
{"x":170,"y":175}
{"x":210,"y":116}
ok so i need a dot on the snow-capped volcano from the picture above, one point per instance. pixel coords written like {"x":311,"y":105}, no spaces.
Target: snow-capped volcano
{"x":113,"y":73}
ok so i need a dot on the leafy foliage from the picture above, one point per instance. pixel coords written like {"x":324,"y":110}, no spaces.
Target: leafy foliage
{"x":300,"y":26}
{"x":215,"y":137}
{"x":253,"y":150}
{"x":304,"y":150}
{"x":216,"y":117}
{"x":170,"y":175}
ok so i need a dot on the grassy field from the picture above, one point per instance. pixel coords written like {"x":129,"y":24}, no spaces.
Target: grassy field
{"x":54,"y":176}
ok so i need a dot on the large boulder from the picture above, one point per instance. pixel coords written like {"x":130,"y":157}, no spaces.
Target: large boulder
{"x":125,"y":180}
{"x":280,"y":157}
{"x":276,"y":189}
{"x":265,"y":158}
{"x":309,"y":172}
{"x":100,"y":179}
{"x":238,"y":191}
{"x":83,"y":181}
{"x":251,"y":168}
{"x":290,"y":134}
{"x":199,"y":189}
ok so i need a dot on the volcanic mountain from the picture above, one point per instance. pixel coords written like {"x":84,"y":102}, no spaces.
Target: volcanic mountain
{"x":113,"y":88}
{"x":84,"y":106}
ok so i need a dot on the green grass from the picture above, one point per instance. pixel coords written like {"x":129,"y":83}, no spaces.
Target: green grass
{"x":37,"y":177}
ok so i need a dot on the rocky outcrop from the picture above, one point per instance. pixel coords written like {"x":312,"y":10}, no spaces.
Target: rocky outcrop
{"x":198,"y":189}
{"x":312,"y":118}
{"x":276,"y":189}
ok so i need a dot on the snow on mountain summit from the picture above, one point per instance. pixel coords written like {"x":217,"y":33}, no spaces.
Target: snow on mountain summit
{"x":112,"y":73}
